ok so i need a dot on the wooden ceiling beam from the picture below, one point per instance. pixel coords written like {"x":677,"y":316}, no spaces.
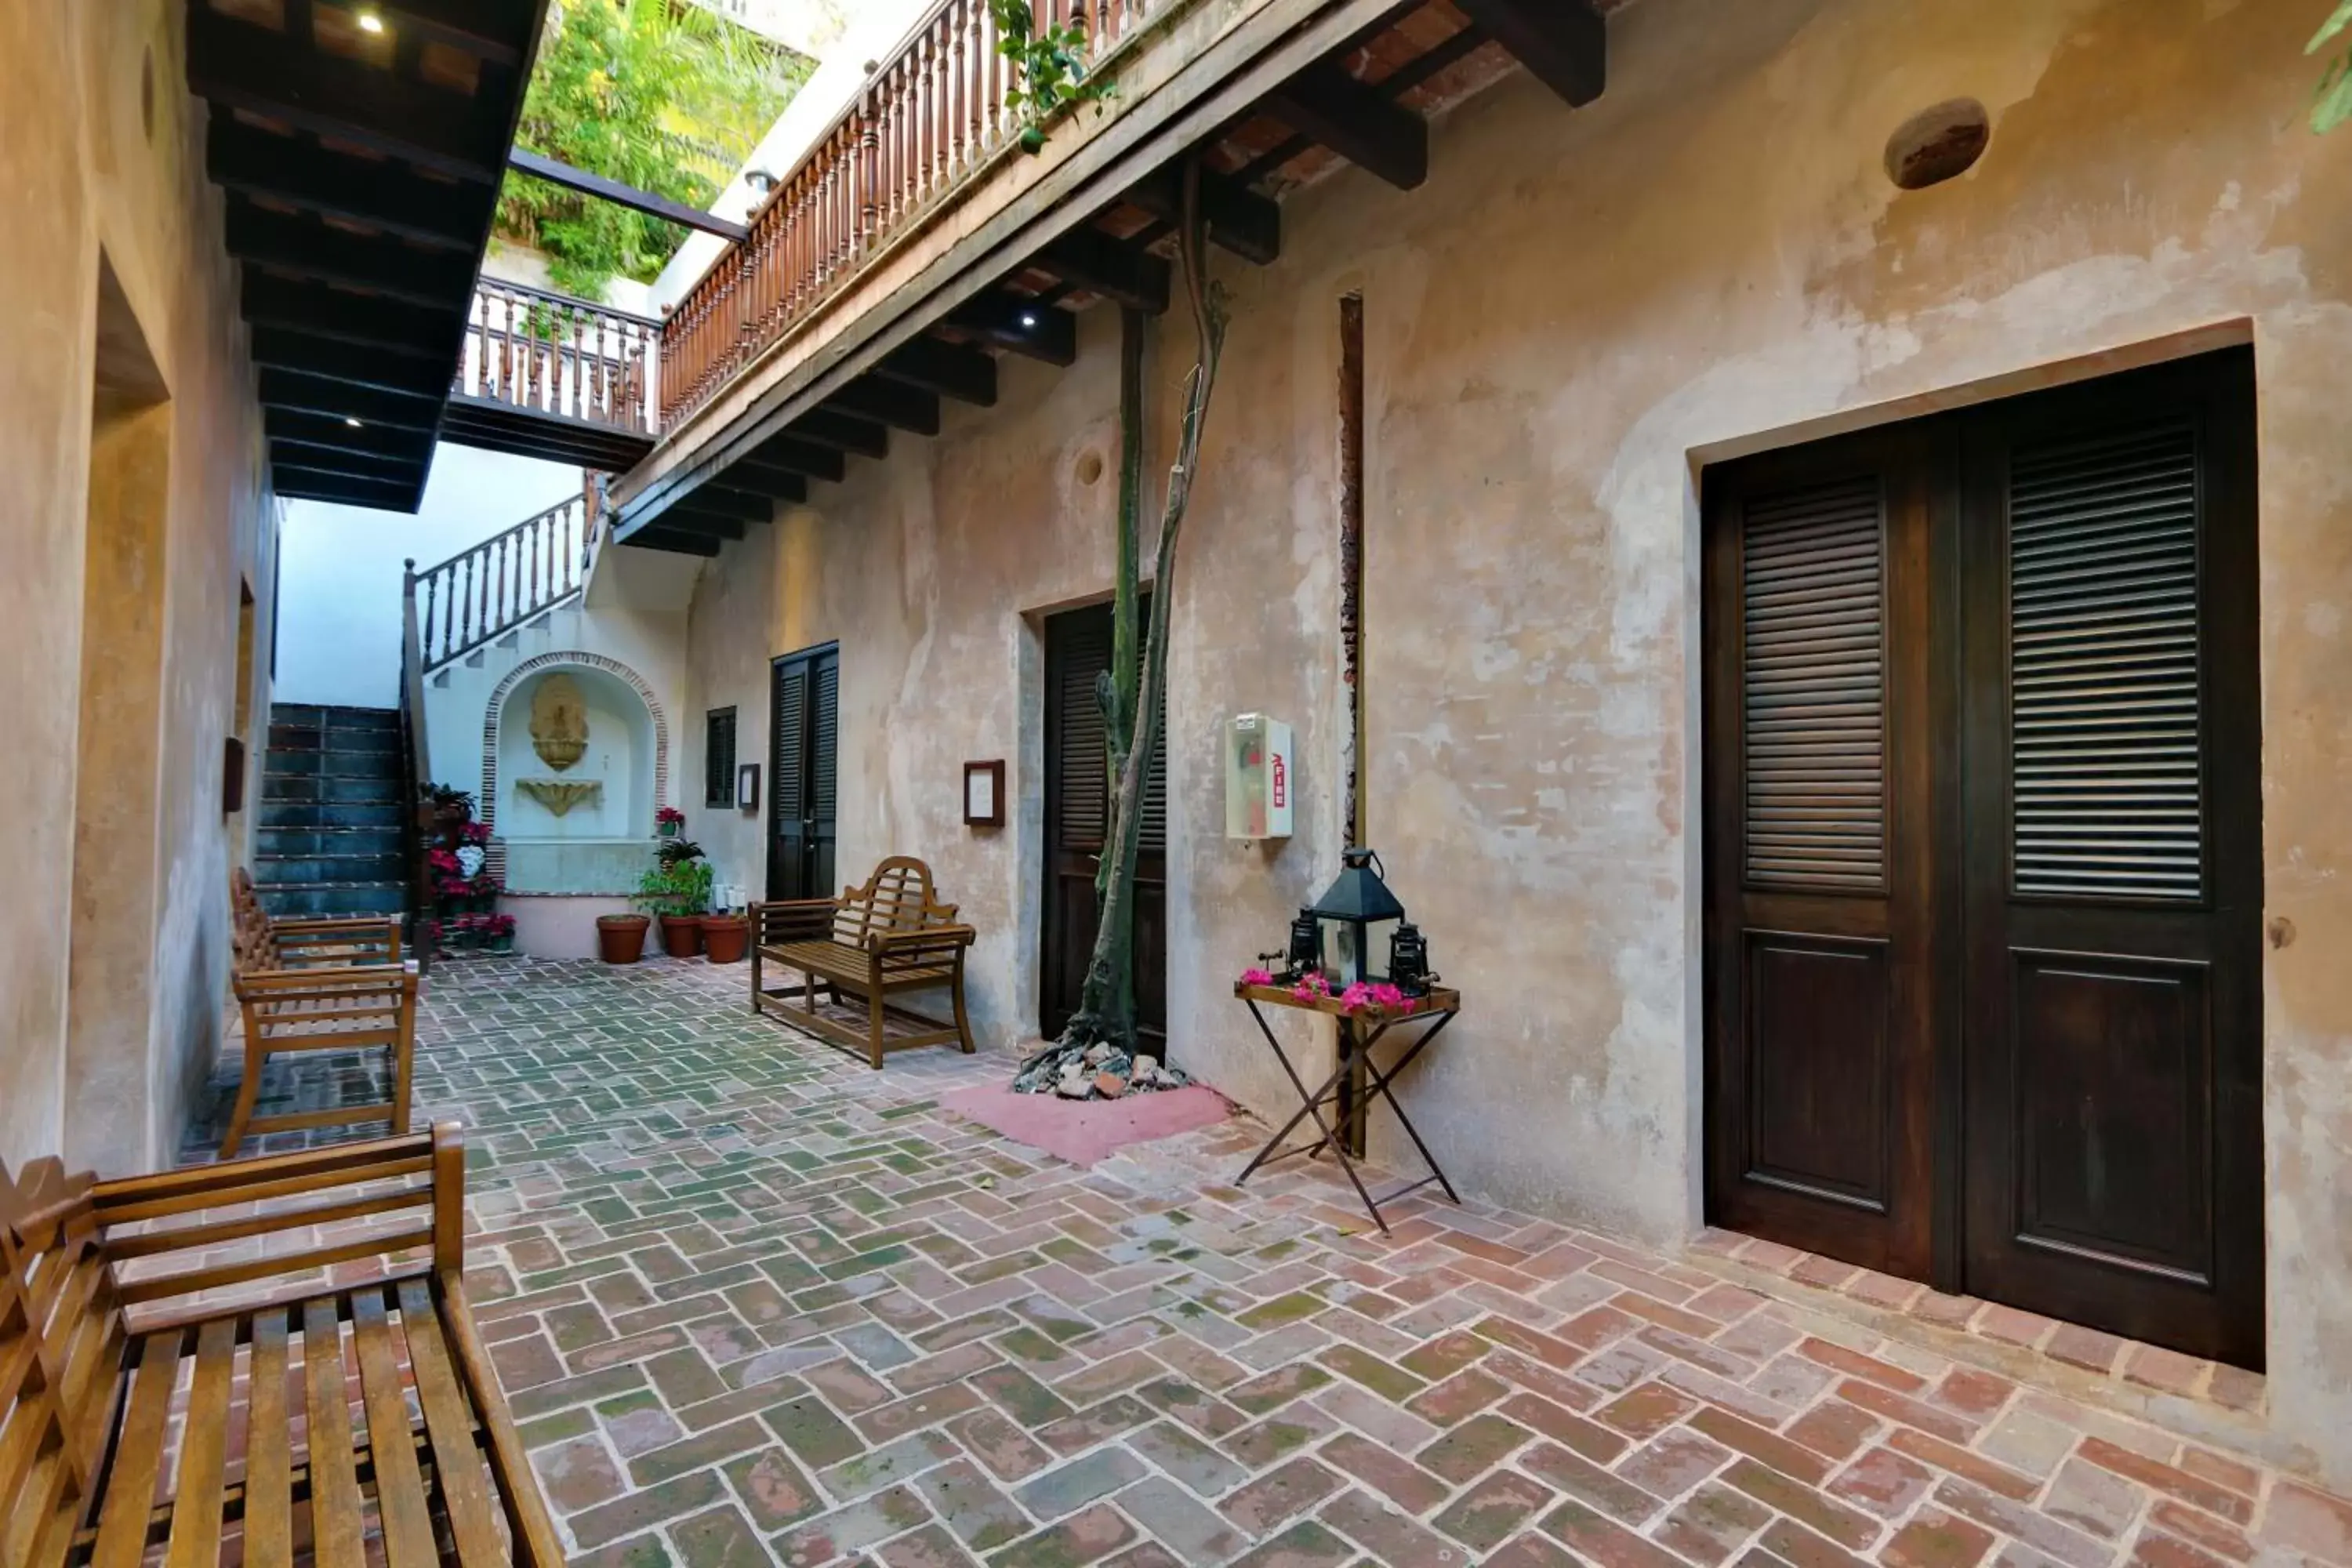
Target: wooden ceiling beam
{"x":314,"y":484}
{"x":718,"y":500}
{"x":306,"y":248}
{"x":329,"y":430}
{"x":372,"y":405}
{"x":386,"y":326}
{"x":673,"y":540}
{"x":446,"y":214}
{"x":1096,"y":262}
{"x":242,"y":66}
{"x":1238,"y":219}
{"x":688,"y":518}
{"x":339,"y":460}
{"x":802,"y":458}
{"x":478,"y":27}
{"x":1025,"y":327}
{"x":541,"y":167}
{"x":842,"y":432}
{"x":1564,"y":44}
{"x":772,"y":484}
{"x":1357,"y":121}
{"x":289,"y":350}
{"x":949,"y":369}
{"x":908,"y":408}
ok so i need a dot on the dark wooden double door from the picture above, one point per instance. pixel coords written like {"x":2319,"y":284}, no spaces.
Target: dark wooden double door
{"x":803,"y":773}
{"x":1983,"y":853}
{"x":1078,"y":809}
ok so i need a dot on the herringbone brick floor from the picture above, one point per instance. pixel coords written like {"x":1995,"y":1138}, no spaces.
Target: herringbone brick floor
{"x":755,"y":1303}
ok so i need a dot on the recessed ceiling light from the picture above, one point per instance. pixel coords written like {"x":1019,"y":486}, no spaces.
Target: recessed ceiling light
{"x":1027,"y":320}
{"x":351,"y":422}
{"x":371,"y":23}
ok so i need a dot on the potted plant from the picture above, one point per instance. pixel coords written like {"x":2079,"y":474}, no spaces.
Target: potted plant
{"x":620,"y":938}
{"x":726,"y":937}
{"x":669,"y":822}
{"x":464,"y":933}
{"x":445,"y":810}
{"x":498,"y":932}
{"x":678,"y":889}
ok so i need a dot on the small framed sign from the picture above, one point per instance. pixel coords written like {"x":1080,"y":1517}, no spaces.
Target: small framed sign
{"x":747,"y":786}
{"x":983,"y":794}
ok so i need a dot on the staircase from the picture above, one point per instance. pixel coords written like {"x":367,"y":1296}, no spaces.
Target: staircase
{"x":332,"y":798}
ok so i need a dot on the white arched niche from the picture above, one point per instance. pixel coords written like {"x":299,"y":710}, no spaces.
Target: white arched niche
{"x":594,"y":841}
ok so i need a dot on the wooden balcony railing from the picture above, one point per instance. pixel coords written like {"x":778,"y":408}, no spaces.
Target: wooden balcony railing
{"x":550,"y":354}
{"x":929,"y":116}
{"x":506,"y":579}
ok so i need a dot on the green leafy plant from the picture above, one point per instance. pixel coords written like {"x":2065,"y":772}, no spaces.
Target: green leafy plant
{"x":1049,"y":69}
{"x":2333,"y":104}
{"x":666,"y":97}
{"x":674,"y":887}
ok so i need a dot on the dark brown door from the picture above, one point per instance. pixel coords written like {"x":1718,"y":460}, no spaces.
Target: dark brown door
{"x":1077,"y":808}
{"x":804,"y":768}
{"x":1983,"y":853}
{"x":2113,"y":878}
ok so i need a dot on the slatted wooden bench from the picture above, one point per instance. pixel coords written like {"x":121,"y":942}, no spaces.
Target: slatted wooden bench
{"x":253,"y":1363}
{"x":886,"y":938}
{"x":314,"y":985}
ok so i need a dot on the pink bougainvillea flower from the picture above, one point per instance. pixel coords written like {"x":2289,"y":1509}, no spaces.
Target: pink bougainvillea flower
{"x":1256,"y":977}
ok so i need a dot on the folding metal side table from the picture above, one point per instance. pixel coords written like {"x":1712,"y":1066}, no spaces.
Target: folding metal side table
{"x":1355,"y":1082}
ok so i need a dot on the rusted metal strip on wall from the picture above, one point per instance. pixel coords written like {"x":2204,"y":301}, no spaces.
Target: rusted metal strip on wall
{"x":1352,"y":565}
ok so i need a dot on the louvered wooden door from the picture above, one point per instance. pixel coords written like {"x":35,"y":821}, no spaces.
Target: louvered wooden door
{"x":1984,"y":853}
{"x":803,"y":790}
{"x":2114,"y":882}
{"x":1821,"y":873}
{"x":1077,"y":796}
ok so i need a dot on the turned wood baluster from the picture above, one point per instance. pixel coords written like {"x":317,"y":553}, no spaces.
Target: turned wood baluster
{"x":976,"y":77}
{"x":469,"y":598}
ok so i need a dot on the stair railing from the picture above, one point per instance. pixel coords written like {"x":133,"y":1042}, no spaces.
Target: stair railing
{"x":511,"y":578}
{"x":550,"y":353}
{"x":416,"y":766}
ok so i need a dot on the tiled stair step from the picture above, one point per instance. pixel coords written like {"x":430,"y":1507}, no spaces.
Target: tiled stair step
{"x":313,"y":717}
{"x":334,"y":764}
{"x":330,"y":787}
{"x":336,"y":742}
{"x":268,"y":869}
{"x":315,"y":815}
{"x":332,"y":898}
{"x":338,"y":842}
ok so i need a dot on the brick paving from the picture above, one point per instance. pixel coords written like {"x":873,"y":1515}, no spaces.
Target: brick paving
{"x":754,"y":1303}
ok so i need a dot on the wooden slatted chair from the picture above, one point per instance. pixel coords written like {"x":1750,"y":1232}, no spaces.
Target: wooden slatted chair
{"x":253,"y":1363}
{"x":889,"y":937}
{"x":318,"y":986}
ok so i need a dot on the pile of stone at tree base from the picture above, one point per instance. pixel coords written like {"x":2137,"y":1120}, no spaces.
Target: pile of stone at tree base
{"x":1099,"y":1072}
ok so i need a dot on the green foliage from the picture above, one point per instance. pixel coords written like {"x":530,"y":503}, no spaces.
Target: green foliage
{"x":674,"y":887}
{"x":1049,"y":69}
{"x":2333,"y":105}
{"x":659,"y":94}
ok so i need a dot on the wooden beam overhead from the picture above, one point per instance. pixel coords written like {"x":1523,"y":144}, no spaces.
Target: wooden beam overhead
{"x":1120,"y":273}
{"x":1020,"y":326}
{"x":242,"y":66}
{"x":372,"y":405}
{"x":478,"y":27}
{"x":844,"y":432}
{"x":330,"y":430}
{"x":949,"y":369}
{"x":675,"y":541}
{"x":782,"y":454}
{"x":688,"y":518}
{"x":310,"y":484}
{"x":1564,"y":44}
{"x":773,"y":484}
{"x":1356,"y":121}
{"x":385,"y":325}
{"x":559,"y":174}
{"x":908,"y":408}
{"x":305,"y":248}
{"x":289,"y":350}
{"x":715,"y":500}
{"x":446,"y":214}
{"x":335,"y":460}
{"x":1238,"y":219}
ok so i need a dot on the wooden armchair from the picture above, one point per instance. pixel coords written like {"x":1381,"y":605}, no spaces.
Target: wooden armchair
{"x":250,"y":1362}
{"x":887,"y":937}
{"x":314,"y":985}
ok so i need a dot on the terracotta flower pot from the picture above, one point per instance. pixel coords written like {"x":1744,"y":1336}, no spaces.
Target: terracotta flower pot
{"x":620,"y":938}
{"x":725,"y":937}
{"x":682,"y":935}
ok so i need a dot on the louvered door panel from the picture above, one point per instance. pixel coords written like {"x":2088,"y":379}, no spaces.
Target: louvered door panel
{"x":1813,"y":686}
{"x":1085,"y":655}
{"x":803,"y":790}
{"x":787,"y":799}
{"x":2103,"y":609}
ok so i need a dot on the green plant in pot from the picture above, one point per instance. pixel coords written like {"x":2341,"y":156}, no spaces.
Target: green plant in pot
{"x":678,"y":889}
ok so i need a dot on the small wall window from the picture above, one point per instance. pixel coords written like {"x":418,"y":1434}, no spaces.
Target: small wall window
{"x":718,"y":758}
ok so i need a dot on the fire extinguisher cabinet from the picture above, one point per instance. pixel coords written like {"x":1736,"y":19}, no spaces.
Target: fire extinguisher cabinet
{"x":1260,"y":786}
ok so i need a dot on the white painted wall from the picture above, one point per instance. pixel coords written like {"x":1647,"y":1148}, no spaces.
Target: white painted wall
{"x":338,"y":577}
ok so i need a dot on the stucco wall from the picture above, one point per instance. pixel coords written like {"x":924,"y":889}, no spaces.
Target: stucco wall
{"x":1576,"y":311}
{"x":87,"y":164}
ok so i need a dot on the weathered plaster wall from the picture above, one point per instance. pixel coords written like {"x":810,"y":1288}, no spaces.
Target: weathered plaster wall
{"x":101,"y":147}
{"x":1575,"y":311}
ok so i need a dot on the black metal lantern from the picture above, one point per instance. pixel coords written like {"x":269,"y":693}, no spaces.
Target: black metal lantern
{"x":1409,"y":961}
{"x":1357,"y":903}
{"x":1306,"y":954}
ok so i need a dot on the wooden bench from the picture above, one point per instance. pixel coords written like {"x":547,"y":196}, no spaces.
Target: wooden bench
{"x":253,"y":1363}
{"x":886,"y":937}
{"x":318,"y":985}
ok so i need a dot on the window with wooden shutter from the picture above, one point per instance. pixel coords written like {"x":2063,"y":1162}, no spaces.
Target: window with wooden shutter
{"x":718,"y":758}
{"x":2103,"y":559}
{"x":785,"y":799}
{"x":1083,"y":653}
{"x":825,"y":760}
{"x":1813,"y":686}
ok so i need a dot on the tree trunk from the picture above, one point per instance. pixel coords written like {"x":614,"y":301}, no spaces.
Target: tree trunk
{"x":1132,"y":693}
